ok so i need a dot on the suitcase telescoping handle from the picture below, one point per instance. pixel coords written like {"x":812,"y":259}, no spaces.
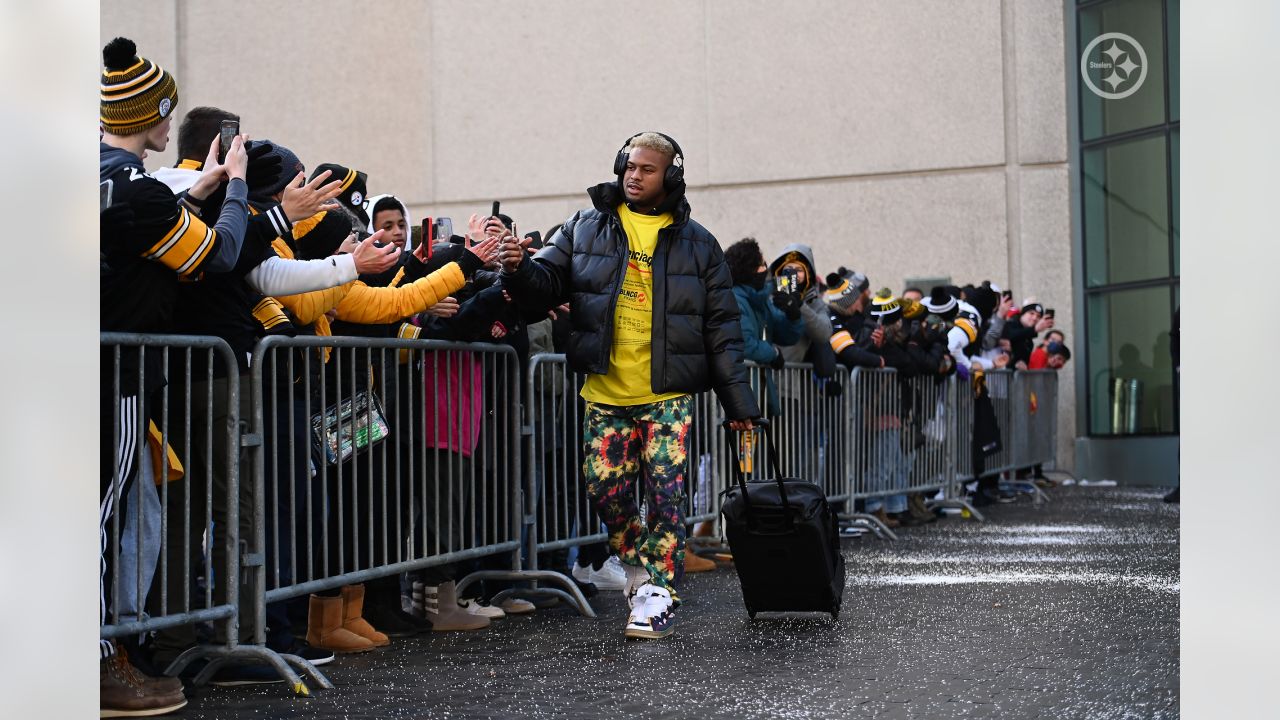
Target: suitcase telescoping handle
{"x":736,"y":467}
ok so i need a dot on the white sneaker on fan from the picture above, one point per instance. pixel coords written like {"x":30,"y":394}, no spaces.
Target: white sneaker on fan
{"x":475,"y":607}
{"x":610,"y":576}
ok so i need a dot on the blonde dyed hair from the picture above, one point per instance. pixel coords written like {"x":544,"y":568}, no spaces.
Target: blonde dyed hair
{"x":653,"y":141}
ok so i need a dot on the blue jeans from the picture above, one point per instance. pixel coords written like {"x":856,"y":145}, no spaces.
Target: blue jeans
{"x":890,"y":473}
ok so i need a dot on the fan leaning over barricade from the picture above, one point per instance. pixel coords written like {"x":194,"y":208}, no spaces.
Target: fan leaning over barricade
{"x":236,"y":306}
{"x":847,"y":298}
{"x":419,"y":285}
{"x":149,"y":240}
{"x":487,"y":315}
{"x":882,"y":334}
{"x":654,"y":321}
{"x":964,"y":330}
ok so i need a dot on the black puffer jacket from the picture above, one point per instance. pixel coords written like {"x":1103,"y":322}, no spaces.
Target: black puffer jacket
{"x":697,"y":340}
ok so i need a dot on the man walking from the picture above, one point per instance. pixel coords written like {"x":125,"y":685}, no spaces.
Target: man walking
{"x":654,"y":321}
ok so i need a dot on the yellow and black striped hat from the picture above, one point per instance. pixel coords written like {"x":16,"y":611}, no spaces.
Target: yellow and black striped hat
{"x":886,"y":307}
{"x":137,"y":94}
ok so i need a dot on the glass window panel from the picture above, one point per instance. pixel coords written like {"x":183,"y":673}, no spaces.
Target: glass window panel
{"x":1130,"y":367}
{"x":1126,"y":219}
{"x":1114,"y":66}
{"x":1175,"y":58}
{"x":1175,"y":177}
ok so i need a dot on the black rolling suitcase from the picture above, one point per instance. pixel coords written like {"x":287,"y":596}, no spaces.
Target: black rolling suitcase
{"x":784,"y":539}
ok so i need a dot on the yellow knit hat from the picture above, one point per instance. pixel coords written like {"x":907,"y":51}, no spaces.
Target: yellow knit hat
{"x":136,"y":94}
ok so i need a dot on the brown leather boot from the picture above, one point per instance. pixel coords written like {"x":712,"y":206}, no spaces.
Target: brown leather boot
{"x":918,"y":510}
{"x":325,"y":631}
{"x":696,"y":563}
{"x":353,"y":616}
{"x":883,"y":517}
{"x":125,"y":692}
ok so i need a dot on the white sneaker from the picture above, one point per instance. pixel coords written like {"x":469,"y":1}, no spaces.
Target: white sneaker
{"x":636,"y":576}
{"x":610,"y":576}
{"x":475,"y":607}
{"x":652,"y":614}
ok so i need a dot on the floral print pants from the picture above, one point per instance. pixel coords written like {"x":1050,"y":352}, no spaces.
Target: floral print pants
{"x":623,"y":445}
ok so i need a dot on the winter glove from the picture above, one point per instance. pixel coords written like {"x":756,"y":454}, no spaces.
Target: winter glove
{"x":788,"y":303}
{"x":778,"y":361}
{"x":263,"y":169}
{"x":470,"y":264}
{"x":832,"y":389}
{"x":962,"y":372}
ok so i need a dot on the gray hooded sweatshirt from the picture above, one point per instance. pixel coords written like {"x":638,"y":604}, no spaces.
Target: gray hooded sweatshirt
{"x":817,"y":323}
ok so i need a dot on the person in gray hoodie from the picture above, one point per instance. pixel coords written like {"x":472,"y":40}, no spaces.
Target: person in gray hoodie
{"x":796,"y":261}
{"x":795,"y":267}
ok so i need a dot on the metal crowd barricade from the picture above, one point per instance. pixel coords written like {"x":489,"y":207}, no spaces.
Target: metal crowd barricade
{"x":928,"y":446}
{"x":381,"y":456}
{"x":559,"y":511}
{"x":1000,"y":389}
{"x":808,"y":425}
{"x":1037,"y":396}
{"x":172,"y":545}
{"x":961,"y":425}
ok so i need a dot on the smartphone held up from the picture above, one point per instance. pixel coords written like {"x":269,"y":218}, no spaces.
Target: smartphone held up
{"x":227,"y":132}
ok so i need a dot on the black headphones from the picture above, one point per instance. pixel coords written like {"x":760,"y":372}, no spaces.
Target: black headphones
{"x":671,"y":180}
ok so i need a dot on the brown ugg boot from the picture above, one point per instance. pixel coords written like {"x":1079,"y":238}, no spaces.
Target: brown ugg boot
{"x":444,"y":613}
{"x":353,"y":616}
{"x":324,"y":627}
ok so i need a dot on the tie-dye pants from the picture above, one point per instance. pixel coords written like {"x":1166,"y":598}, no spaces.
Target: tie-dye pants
{"x":649,"y":442}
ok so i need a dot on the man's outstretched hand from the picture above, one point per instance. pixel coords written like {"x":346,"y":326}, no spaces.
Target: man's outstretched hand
{"x":744,"y":425}
{"x":371,"y":259}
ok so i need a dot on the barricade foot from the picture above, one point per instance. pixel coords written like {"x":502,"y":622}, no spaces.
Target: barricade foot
{"x":571,"y":592}
{"x":956,"y":503}
{"x":880,"y":529}
{"x":220,"y":655}
{"x":1064,"y":475}
{"x":1029,"y":487}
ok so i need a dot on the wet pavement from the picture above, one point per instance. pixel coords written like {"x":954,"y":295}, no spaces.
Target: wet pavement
{"x":1064,"y":610}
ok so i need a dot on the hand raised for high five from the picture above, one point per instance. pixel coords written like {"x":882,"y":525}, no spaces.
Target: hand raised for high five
{"x":371,"y":259}
{"x":486,"y":250}
{"x":303,"y":199}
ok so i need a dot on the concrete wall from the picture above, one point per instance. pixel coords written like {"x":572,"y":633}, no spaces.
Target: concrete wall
{"x":903,"y":138}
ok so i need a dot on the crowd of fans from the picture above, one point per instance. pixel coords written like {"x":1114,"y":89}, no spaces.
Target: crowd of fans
{"x":238,"y":242}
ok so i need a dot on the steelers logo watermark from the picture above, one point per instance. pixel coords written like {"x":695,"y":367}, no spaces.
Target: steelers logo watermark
{"x":1119,"y":63}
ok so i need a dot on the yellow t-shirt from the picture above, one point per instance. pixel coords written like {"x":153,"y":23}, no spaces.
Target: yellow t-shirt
{"x":628,"y":380}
